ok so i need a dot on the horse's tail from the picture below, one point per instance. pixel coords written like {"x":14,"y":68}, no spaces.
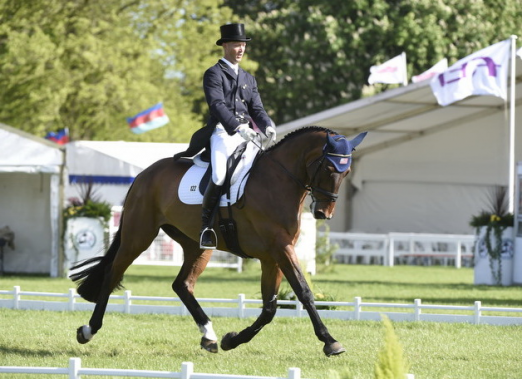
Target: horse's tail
{"x":91,"y":278}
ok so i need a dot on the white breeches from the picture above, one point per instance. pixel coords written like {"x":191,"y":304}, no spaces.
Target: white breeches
{"x":222,"y":145}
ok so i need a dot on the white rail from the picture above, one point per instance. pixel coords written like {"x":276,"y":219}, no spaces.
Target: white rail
{"x":242,"y":307}
{"x":403,"y":248}
{"x":75,"y":371}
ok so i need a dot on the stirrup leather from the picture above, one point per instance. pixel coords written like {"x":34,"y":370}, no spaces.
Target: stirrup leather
{"x":209,"y":230}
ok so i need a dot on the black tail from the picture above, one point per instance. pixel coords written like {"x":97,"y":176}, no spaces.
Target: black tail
{"x":90,"y":279}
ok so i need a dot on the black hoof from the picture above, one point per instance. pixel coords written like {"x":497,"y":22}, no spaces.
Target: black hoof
{"x":226,"y":341}
{"x":80,"y":337}
{"x":333,"y":349}
{"x":209,"y":345}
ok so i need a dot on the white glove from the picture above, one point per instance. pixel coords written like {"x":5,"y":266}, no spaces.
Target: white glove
{"x":271,"y":133}
{"x":246,"y":132}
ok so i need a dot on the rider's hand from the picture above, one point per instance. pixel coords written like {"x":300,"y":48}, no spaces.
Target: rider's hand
{"x":246,"y":132}
{"x":270,"y":132}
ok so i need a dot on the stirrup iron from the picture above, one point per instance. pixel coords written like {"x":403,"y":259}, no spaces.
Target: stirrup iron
{"x":210,"y":230}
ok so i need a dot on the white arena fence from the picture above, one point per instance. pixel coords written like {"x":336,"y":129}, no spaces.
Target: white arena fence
{"x":76,"y":371}
{"x":164,"y":251}
{"x":242,"y":307}
{"x":404,"y":248}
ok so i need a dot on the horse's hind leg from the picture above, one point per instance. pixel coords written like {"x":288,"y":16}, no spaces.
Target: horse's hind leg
{"x":195,"y":261}
{"x":270,"y":281}
{"x":127,"y":251}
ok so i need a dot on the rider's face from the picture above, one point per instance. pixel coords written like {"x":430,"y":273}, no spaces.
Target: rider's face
{"x":234,"y":51}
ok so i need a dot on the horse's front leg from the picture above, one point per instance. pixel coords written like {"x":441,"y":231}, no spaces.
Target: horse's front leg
{"x":292,"y":270}
{"x":270,"y":281}
{"x":194,"y":263}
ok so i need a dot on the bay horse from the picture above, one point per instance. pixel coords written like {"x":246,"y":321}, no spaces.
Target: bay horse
{"x":311,"y":160}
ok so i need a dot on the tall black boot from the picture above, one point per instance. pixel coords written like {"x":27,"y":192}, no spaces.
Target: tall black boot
{"x":210,"y":203}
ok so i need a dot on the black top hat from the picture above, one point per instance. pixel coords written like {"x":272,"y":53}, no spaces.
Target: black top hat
{"x":232,"y":32}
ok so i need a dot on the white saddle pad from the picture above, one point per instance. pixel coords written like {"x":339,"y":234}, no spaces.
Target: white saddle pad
{"x":189,"y":192}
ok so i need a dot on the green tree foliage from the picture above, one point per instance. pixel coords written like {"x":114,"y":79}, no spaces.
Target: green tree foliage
{"x":314,"y":55}
{"x":87,"y":65}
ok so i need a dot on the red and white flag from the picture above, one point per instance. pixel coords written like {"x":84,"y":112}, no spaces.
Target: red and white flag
{"x":390,"y":72}
{"x":149,"y":119}
{"x":439,"y":67}
{"x":481,"y":73}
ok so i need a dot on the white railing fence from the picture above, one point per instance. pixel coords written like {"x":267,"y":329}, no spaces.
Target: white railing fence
{"x":165,"y":251}
{"x":75,"y":371}
{"x":404,"y":248}
{"x":242,"y":307}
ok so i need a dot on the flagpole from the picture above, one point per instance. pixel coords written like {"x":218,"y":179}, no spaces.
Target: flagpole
{"x":405,"y":81}
{"x":512,"y":174}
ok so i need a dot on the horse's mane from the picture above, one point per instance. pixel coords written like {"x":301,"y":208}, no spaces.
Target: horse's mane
{"x":300,"y":131}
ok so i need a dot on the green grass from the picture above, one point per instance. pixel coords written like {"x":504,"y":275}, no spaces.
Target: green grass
{"x":162,"y":342}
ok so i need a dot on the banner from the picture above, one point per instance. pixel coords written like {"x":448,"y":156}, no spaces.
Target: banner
{"x":149,"y":119}
{"x":439,"y":67}
{"x":481,"y":73}
{"x":390,"y":72}
{"x":61,"y":137}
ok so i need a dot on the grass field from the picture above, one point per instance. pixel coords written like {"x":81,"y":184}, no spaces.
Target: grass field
{"x":162,"y":342}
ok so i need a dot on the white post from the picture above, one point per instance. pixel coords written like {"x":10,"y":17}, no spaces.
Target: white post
{"x":391,"y":251}
{"x":294,"y":373}
{"x":418,"y":309}
{"x":241,"y":305}
{"x":512,"y":173}
{"x":72,"y":300}
{"x":458,"y":258}
{"x":477,"y":314}
{"x":74,"y":367}
{"x":128,"y":301}
{"x":187,"y":369}
{"x":16,"y":297}
{"x":405,"y":80}
{"x":357,"y":308}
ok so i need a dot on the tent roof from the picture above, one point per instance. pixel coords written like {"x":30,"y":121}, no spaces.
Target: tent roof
{"x":116,"y":158}
{"x":403,"y":114}
{"x":24,"y":152}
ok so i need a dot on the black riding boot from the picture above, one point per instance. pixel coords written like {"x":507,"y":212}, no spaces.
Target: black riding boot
{"x":210,"y":203}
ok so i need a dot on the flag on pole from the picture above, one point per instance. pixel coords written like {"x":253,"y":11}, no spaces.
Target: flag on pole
{"x":149,"y":119}
{"x":61,"y":137}
{"x":519,"y":52}
{"x":481,"y":73}
{"x":390,"y":72}
{"x":439,"y":67}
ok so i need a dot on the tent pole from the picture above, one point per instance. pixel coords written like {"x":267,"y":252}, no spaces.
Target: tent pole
{"x":511,"y":206}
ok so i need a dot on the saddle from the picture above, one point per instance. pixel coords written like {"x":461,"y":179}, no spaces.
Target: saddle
{"x":195,"y":181}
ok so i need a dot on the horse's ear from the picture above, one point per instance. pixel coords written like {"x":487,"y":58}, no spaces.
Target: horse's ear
{"x":357,"y":140}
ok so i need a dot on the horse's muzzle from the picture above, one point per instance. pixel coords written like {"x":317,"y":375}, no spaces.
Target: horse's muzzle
{"x":320,"y":215}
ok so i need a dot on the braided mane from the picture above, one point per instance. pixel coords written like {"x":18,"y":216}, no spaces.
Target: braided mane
{"x":300,"y":131}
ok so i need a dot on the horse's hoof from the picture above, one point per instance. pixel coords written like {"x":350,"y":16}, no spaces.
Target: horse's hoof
{"x":226,"y":341}
{"x":82,"y":337}
{"x":333,"y":349}
{"x":209,"y":345}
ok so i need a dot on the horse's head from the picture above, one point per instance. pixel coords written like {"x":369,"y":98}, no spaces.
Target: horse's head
{"x":328,"y":172}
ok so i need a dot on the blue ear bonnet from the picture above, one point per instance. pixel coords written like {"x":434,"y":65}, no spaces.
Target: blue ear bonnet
{"x":338,"y":150}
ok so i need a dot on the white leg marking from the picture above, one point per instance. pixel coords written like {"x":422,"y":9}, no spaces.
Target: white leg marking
{"x":208,"y":331}
{"x":86,"y":330}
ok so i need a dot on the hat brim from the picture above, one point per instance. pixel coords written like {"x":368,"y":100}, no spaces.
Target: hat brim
{"x":220,"y":41}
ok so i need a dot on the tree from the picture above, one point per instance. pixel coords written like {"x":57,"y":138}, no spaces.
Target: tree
{"x":87,"y":65}
{"x":314,"y":55}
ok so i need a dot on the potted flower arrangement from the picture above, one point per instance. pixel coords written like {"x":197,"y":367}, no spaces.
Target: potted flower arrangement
{"x":494,"y":247}
{"x":86,"y":222}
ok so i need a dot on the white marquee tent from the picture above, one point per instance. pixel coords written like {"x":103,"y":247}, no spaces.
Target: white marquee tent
{"x":112,"y":165}
{"x":422,"y":167}
{"x":31,"y":200}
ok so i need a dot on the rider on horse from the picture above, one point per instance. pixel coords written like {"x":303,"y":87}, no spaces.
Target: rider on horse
{"x":235,"y":107}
